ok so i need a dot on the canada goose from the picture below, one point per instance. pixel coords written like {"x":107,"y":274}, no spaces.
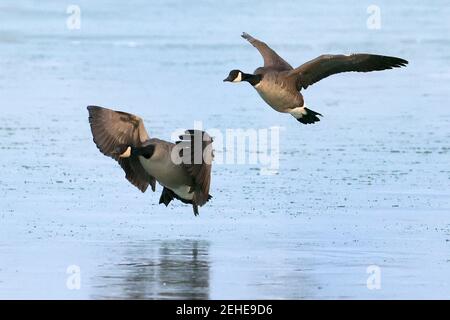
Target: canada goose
{"x":122,"y":136}
{"x":279,"y":84}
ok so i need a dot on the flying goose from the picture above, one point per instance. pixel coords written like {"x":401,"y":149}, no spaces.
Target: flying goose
{"x":279,"y":84}
{"x":122,"y":136}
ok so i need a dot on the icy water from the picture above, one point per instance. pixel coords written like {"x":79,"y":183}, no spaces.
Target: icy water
{"x":367,"y":186}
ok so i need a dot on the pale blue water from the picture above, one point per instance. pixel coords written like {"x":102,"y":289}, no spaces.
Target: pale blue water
{"x":368,"y":185}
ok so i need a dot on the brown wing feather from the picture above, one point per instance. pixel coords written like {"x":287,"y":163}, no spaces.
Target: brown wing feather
{"x":114,"y":130}
{"x":326,"y":65}
{"x":271,"y":58}
{"x":199,"y":145}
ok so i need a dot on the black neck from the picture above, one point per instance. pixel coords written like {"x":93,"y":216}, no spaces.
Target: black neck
{"x":253,"y":79}
{"x":146,"y":151}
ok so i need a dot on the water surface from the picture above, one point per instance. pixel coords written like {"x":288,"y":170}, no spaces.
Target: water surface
{"x":368,"y":185}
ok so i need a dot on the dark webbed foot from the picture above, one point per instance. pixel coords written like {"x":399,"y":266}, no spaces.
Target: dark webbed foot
{"x":166,"y":196}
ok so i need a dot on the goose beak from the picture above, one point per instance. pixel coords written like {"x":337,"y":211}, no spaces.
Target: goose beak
{"x":228,"y":79}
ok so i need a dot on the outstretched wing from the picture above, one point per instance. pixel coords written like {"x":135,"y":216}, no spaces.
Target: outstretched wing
{"x":198,"y":144}
{"x":271,"y":58}
{"x":113,"y":131}
{"x":327,"y":65}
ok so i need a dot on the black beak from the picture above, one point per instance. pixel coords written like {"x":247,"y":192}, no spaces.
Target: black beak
{"x":228,"y":79}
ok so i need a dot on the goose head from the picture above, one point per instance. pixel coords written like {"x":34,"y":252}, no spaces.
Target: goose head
{"x":235,"y":76}
{"x":239,"y":76}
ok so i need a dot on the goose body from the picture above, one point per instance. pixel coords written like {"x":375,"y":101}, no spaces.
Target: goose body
{"x":168,"y":174}
{"x":279,"y":84}
{"x":276,"y":93}
{"x":122,"y":136}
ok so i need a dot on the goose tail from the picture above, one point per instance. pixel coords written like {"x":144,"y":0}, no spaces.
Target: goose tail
{"x":305,"y":115}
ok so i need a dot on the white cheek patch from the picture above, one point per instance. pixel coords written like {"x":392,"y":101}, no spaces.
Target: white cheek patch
{"x":238,"y":78}
{"x":126,"y":154}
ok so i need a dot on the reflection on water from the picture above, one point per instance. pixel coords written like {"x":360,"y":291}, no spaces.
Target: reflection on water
{"x":167,"y":269}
